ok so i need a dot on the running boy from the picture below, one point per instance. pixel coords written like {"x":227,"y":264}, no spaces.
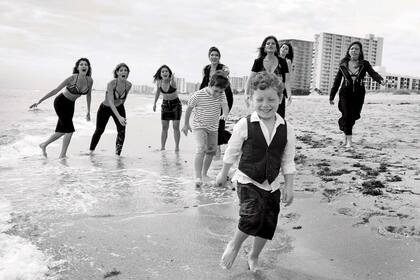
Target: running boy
{"x":265,"y":144}
{"x":206,"y":104}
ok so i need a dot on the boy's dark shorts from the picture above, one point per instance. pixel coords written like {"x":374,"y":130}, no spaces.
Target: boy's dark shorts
{"x":259,"y":210}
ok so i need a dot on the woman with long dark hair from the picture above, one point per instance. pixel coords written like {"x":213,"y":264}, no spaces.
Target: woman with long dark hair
{"x":208,"y":70}
{"x":78,"y":84}
{"x":286,"y":52}
{"x":269,"y":60}
{"x":351,"y":73}
{"x":113,"y":106}
{"x":171,"y":105}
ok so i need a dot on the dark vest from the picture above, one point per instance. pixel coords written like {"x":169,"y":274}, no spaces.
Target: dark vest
{"x":259,"y":161}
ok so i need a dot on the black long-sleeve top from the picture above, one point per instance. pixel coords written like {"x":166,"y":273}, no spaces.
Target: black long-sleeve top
{"x":348,"y":85}
{"x":206,"y":80}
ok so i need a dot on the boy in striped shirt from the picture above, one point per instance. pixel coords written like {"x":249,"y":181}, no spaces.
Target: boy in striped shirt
{"x":206,"y":104}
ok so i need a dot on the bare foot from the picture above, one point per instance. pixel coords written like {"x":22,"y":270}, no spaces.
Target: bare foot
{"x":198,"y":182}
{"x":253,"y":264}
{"x":162,"y":148}
{"x":62,"y":157}
{"x":229,"y":256}
{"x":44,"y":149}
{"x":206,"y":178}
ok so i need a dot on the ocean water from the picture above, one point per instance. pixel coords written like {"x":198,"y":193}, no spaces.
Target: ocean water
{"x":40,"y":197}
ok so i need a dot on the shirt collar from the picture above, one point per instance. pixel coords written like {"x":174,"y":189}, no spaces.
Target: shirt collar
{"x":256,"y":118}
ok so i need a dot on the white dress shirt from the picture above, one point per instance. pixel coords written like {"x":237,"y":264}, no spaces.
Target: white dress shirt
{"x":240,"y":134}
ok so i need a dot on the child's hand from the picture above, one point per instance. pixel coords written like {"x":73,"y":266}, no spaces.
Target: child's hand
{"x":220,"y":180}
{"x":287,"y":196}
{"x":223,"y":117}
{"x":186,"y":128}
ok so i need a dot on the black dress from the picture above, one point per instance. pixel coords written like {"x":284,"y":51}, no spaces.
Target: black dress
{"x":280,"y":71}
{"x":352,"y":93}
{"x":223,"y":135}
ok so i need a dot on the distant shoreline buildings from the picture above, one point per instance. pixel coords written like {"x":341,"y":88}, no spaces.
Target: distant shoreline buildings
{"x":394,"y":81}
{"x":237,"y":84}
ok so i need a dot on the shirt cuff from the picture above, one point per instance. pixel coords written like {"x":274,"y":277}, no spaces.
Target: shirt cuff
{"x":229,"y":160}
{"x":289,"y":168}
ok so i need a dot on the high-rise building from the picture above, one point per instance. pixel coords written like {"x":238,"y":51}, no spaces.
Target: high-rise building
{"x":192,"y":87}
{"x":181,"y":85}
{"x":142,"y":89}
{"x":302,"y":63}
{"x":238,"y":83}
{"x":330,"y":48}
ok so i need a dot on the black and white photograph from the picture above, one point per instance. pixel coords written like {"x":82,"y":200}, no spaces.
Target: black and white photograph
{"x":209,"y":140}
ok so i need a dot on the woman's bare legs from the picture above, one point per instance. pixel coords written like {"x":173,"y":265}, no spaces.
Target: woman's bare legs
{"x":52,"y":138}
{"x":164,"y":135}
{"x":66,"y":142}
{"x":177,"y":134}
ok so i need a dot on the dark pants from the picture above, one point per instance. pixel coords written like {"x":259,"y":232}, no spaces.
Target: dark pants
{"x":223,"y":135}
{"x":259,"y":210}
{"x":104,"y":112}
{"x":350,"y":108}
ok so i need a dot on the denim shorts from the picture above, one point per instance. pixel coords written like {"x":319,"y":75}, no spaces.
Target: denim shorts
{"x":206,"y":141}
{"x":259,"y":210}
{"x":171,"y":110}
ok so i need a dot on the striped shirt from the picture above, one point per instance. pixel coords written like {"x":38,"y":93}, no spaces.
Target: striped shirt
{"x":206,"y":109}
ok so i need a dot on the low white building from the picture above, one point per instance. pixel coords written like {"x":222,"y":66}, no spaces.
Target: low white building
{"x":394,"y":81}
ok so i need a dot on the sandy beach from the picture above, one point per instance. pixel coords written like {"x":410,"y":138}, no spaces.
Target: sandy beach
{"x":355,"y":215}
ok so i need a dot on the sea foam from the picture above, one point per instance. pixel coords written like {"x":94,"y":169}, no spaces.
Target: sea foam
{"x":19,"y":258}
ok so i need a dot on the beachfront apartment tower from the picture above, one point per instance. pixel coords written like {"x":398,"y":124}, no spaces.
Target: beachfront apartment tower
{"x":238,"y":83}
{"x":192,"y":87}
{"x":330,"y":48}
{"x":181,"y":85}
{"x":302,"y":63}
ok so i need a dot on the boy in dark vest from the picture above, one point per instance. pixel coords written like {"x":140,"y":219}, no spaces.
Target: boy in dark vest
{"x":265,"y":144}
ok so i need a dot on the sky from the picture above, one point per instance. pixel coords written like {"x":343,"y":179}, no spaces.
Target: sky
{"x":40,"y":40}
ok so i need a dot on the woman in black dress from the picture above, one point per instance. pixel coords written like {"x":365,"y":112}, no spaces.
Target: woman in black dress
{"x":78,"y":84}
{"x":208,"y":71}
{"x":270,"y":61}
{"x":350,"y":76}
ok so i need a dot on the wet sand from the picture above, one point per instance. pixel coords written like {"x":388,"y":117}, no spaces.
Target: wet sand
{"x":355,"y":215}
